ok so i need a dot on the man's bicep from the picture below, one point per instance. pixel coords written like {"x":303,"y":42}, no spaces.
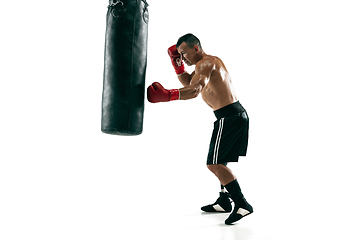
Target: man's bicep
{"x":199,"y":80}
{"x":201,"y":74}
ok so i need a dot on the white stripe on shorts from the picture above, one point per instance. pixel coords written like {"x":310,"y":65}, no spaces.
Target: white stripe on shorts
{"x":217,"y":143}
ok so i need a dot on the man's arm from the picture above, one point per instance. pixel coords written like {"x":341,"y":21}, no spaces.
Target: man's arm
{"x":157,"y":93}
{"x":193,"y":90}
{"x":185,"y":78}
{"x":199,"y":80}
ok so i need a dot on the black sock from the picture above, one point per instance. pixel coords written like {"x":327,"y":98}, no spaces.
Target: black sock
{"x":234,"y":190}
{"x":222,"y":188}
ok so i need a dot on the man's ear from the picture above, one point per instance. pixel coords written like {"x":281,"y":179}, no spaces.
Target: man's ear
{"x":196,"y":47}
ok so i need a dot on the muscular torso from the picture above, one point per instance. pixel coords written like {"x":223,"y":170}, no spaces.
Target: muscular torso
{"x":218,"y":91}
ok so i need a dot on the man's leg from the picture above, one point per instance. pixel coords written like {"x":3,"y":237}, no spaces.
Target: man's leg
{"x":222,"y":204}
{"x":228,"y":179}
{"x":222,"y":172}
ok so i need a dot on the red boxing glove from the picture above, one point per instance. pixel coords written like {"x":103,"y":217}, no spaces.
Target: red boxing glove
{"x":176,"y":60}
{"x":157,"y":93}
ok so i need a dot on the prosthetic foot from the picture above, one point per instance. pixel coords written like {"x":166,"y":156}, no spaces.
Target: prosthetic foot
{"x":242,"y":208}
{"x":222,"y":204}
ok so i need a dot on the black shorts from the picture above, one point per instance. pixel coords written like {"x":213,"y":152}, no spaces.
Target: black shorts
{"x":230,"y":135}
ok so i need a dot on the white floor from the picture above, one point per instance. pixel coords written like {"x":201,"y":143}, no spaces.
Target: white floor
{"x":194,"y":225}
{"x":95,"y":193}
{"x":105,"y":188}
{"x":197,"y":225}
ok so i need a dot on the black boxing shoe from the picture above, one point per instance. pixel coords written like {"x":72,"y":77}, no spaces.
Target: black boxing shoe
{"x":222,"y":204}
{"x":242,"y":208}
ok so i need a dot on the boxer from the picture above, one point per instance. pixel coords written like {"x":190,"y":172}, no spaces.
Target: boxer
{"x":230,"y":135}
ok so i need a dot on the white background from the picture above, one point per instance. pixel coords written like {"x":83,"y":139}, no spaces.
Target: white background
{"x":295,"y":67}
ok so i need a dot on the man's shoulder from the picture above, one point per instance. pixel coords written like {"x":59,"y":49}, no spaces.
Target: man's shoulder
{"x":207,"y":63}
{"x":209,"y":59}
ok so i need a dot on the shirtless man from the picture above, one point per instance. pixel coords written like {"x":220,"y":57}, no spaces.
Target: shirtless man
{"x":230,"y":134}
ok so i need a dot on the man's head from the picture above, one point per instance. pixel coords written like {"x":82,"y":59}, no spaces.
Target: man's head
{"x":189,"y":48}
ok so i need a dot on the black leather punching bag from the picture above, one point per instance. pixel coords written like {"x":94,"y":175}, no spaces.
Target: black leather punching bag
{"x":125,"y":67}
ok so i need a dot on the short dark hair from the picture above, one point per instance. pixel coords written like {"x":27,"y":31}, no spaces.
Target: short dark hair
{"x":190,"y":39}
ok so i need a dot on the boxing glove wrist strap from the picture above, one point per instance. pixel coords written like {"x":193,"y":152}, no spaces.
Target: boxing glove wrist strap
{"x":174,"y":94}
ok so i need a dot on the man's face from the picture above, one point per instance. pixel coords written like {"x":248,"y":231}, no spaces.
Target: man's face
{"x":188,"y":54}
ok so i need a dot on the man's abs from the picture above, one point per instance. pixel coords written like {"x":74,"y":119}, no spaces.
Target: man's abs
{"x":217,"y":101}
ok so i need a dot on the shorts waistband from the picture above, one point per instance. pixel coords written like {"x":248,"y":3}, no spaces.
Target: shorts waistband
{"x":229,"y":110}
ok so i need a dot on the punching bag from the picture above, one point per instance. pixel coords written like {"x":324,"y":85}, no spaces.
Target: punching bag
{"x":124,"y":67}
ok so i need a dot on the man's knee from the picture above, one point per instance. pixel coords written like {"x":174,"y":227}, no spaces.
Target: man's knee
{"x":214,"y":167}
